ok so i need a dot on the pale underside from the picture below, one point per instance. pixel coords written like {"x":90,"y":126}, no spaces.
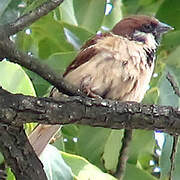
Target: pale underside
{"x":118,"y":71}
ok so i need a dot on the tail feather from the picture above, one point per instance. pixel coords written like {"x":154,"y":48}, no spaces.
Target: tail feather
{"x":41,"y":136}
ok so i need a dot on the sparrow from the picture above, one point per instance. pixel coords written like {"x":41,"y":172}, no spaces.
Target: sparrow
{"x":115,"y":65}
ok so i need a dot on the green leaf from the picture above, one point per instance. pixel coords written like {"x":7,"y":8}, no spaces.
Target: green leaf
{"x":67,"y":12}
{"x":104,"y":145}
{"x":50,"y":37}
{"x":142,"y":142}
{"x":171,"y":41}
{"x":14,"y":79}
{"x":176,"y":173}
{"x":84,"y":170}
{"x":69,"y":132}
{"x":115,"y":15}
{"x":148,"y":7}
{"x":132,"y":172}
{"x":145,"y":2}
{"x":3,"y":6}
{"x":78,"y":35}
{"x":152,"y":96}
{"x":167,"y":96}
{"x":94,"y":149}
{"x":111,"y":150}
{"x":170,"y":16}
{"x":1,"y":158}
{"x":60,"y":61}
{"x":144,"y":160}
{"x":165,"y":156}
{"x":26,"y":43}
{"x":173,"y":58}
{"x":47,"y":47}
{"x":89,"y":14}
{"x":9,"y":10}
{"x":10,"y":175}
{"x":41,"y":86}
{"x":54,"y":165}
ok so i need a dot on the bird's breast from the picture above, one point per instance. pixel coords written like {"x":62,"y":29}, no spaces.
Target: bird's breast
{"x":118,"y":71}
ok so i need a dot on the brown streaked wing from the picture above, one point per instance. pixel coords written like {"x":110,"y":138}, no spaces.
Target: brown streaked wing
{"x":86,"y":53}
{"x":94,"y":39}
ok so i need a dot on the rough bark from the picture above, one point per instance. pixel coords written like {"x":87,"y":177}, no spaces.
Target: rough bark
{"x":19,"y":109}
{"x":19,"y":154}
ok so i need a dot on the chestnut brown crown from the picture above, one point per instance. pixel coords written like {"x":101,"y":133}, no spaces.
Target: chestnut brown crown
{"x":128,"y":26}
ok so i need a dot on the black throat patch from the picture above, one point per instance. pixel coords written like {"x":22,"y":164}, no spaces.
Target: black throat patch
{"x":151,"y":55}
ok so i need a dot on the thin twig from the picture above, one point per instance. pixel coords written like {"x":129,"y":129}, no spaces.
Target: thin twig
{"x":8,"y":48}
{"x":29,"y":18}
{"x":173,"y":154}
{"x":174,"y":85}
{"x":123,"y":156}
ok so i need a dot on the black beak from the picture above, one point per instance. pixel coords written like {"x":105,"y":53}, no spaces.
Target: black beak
{"x":163,"y":28}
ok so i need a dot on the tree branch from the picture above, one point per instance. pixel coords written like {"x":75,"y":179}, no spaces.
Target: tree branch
{"x":175,"y":137}
{"x":31,"y":17}
{"x":9,"y":51}
{"x":173,"y":84}
{"x":123,"y":155}
{"x":173,"y":154}
{"x":19,"y":109}
{"x":19,"y":154}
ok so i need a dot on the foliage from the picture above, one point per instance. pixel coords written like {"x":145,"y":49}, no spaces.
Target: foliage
{"x":56,"y":38}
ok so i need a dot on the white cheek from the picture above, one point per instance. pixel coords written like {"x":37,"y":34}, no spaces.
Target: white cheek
{"x":150,"y":41}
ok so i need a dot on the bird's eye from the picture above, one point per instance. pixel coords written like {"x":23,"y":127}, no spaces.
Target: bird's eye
{"x":147,"y":28}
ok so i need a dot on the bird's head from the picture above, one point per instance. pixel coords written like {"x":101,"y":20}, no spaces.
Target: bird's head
{"x":140,"y":28}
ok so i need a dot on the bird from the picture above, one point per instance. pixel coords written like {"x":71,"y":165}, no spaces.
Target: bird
{"x":115,"y":65}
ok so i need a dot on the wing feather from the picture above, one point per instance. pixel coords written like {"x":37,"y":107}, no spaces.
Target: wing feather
{"x":86,"y":53}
